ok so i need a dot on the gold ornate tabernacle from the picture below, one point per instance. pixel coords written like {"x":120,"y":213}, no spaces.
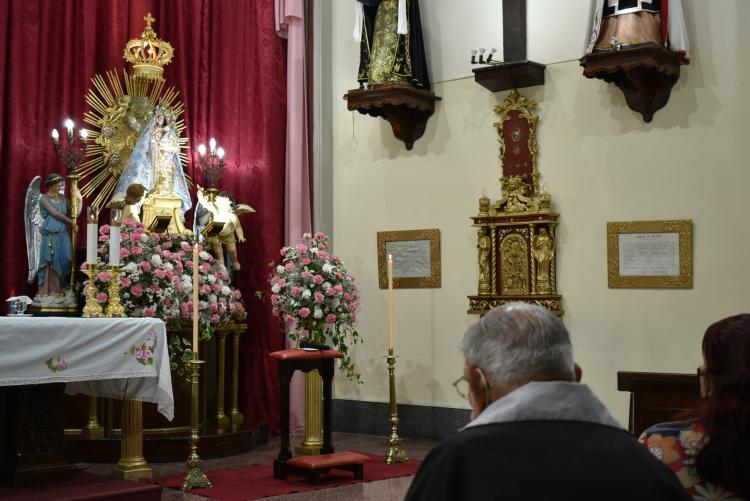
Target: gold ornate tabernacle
{"x":516,"y":235}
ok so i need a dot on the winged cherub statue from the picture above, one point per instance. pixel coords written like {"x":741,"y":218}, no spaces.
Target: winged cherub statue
{"x":221,"y":212}
{"x":47,"y":219}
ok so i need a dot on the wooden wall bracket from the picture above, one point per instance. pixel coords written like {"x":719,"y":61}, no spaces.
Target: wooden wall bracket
{"x":645,"y":74}
{"x":515,"y":75}
{"x":405,"y":107}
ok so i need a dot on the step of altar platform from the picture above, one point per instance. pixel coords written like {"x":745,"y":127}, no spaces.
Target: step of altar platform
{"x":84,"y":486}
{"x":163,"y":448}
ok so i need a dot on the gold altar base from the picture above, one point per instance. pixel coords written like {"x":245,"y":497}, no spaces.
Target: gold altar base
{"x":313,"y":441}
{"x":132,"y":465}
{"x":164,"y":213}
{"x":395,"y":453}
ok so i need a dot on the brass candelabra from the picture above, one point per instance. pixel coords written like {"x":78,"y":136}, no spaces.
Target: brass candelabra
{"x":92,"y":309}
{"x":212,"y":165}
{"x":395,"y":453}
{"x":114,"y":307}
{"x":195,"y":477}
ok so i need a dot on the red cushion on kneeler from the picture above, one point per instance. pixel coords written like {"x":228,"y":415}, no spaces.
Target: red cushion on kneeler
{"x":304,"y":354}
{"x":317,"y":462}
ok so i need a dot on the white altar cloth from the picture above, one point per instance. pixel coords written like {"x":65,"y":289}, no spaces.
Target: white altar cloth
{"x":118,"y":358}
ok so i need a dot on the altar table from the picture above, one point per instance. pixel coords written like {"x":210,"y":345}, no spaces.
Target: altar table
{"x":119,"y":358}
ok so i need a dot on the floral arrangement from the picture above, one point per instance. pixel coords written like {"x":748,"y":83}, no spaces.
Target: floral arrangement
{"x":316,"y":298}
{"x":156,"y":280}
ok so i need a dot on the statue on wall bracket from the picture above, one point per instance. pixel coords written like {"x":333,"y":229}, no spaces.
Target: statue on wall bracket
{"x":639,"y":46}
{"x":516,"y":240}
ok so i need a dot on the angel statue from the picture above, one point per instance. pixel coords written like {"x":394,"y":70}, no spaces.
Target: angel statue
{"x":155,"y":162}
{"x":221,"y":211}
{"x":48,"y":245}
{"x":130,"y":203}
{"x":543,"y":250}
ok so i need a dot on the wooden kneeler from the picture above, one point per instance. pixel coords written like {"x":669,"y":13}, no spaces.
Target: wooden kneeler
{"x":311,"y":466}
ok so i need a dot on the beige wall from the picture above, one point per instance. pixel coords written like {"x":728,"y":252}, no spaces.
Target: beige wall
{"x":601,"y":163}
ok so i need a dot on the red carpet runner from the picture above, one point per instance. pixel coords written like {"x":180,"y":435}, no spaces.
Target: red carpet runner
{"x":256,"y":481}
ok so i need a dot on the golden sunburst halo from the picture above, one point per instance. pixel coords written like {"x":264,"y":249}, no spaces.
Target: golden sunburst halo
{"x":119,"y":110}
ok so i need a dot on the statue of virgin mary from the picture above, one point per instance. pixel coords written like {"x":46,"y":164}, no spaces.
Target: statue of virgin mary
{"x":155,"y":162}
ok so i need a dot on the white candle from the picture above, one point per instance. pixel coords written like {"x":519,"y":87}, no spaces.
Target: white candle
{"x":195,"y":301}
{"x":114,"y":246}
{"x":390,"y":302}
{"x":92,"y":234}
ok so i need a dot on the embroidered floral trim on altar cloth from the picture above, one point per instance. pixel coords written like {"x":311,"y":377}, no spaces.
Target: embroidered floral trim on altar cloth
{"x":144,"y":352}
{"x":56,"y":365}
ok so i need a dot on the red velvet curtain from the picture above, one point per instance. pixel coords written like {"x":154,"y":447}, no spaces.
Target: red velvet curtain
{"x":230,"y":69}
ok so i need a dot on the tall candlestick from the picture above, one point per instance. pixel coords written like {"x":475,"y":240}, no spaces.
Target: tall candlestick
{"x":92,"y":234}
{"x":390,"y":302}
{"x":195,"y":302}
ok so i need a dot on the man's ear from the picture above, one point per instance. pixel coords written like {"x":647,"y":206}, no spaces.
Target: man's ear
{"x":578,"y":372}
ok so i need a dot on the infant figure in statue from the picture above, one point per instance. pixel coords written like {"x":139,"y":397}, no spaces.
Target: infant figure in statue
{"x":48,"y":245}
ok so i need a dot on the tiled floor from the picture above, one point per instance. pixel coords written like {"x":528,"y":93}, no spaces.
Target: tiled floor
{"x":391,"y":489}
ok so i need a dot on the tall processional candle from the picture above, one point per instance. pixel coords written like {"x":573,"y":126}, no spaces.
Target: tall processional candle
{"x":390,"y":302}
{"x":195,"y":301}
{"x":92,"y":234}
{"x":114,"y":237}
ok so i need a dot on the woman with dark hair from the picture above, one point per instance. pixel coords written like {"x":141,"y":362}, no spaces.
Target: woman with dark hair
{"x":711,"y":454}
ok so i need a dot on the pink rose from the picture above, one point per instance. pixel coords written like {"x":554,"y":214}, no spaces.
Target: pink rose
{"x":319,"y":297}
{"x":147,"y":353}
{"x":137,"y":290}
{"x":137,"y":250}
{"x":160,"y":274}
{"x":205,"y":289}
{"x":62,"y":365}
{"x":305,"y":274}
{"x":124,"y":237}
{"x":281,"y":282}
{"x":129,"y":223}
{"x":166,"y":302}
{"x":138,"y":352}
{"x":306,"y":236}
{"x":215,"y":319}
{"x":322,"y":254}
{"x":283,"y":251}
{"x":339,"y":288}
{"x":153,"y":288}
{"x":318,"y":279}
{"x":289,"y":266}
{"x":352,"y":307}
{"x":305,"y":261}
{"x":287,"y":318}
{"x":213,"y":307}
{"x":125,"y":282}
{"x":296,"y":291}
{"x":155,"y":237}
{"x":145,"y":266}
{"x":320,"y":234}
{"x":170,"y":274}
{"x":301,"y":247}
{"x":330,"y":291}
{"x":335,"y":257}
{"x":304,"y":312}
{"x":330,"y":318}
{"x":136,"y":237}
{"x":104,"y":229}
{"x":185,"y":246}
{"x":347,"y":296}
{"x":124,"y":252}
{"x":102,"y":297}
{"x":149,"y":311}
{"x":216,"y":288}
{"x":180,"y":268}
{"x":139,"y":228}
{"x":103,"y":238}
{"x":103,"y":276}
{"x":166,"y":254}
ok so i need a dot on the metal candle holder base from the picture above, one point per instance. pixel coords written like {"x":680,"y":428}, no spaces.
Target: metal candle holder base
{"x":114,"y":308}
{"x":92,"y":309}
{"x":395,"y":453}
{"x":195,"y":477}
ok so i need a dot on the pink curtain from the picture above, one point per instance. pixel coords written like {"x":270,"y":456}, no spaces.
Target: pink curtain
{"x":290,"y":24}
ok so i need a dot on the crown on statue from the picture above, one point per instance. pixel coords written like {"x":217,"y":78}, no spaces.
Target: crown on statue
{"x":148,"y":54}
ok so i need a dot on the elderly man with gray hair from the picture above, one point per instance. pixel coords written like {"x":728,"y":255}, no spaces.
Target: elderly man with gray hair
{"x":537,"y":433}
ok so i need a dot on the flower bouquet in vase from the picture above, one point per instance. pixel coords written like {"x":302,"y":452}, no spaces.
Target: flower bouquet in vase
{"x":316,"y":298}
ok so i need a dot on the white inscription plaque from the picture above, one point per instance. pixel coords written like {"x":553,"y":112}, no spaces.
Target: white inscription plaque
{"x":649,"y":254}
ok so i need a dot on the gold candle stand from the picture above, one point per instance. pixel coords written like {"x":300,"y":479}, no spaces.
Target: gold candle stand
{"x":395,"y":453}
{"x":92,"y":309}
{"x":313,"y":441}
{"x":195,"y":477}
{"x":114,"y":308}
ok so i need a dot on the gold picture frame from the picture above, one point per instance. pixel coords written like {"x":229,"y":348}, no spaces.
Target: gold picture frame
{"x":416,"y":253}
{"x":650,"y":254}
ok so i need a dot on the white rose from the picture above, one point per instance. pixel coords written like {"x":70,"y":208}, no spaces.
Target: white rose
{"x":279,"y":269}
{"x":225,"y":290}
{"x":131,"y":266}
{"x":314,"y":250}
{"x":204,"y":255}
{"x":169,"y":266}
{"x":187,"y":287}
{"x":212,"y":298}
{"x":212,"y":279}
{"x":306,"y":293}
{"x":275,"y":288}
{"x":318,"y":313}
{"x":327,"y":268}
{"x":156,"y":260}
